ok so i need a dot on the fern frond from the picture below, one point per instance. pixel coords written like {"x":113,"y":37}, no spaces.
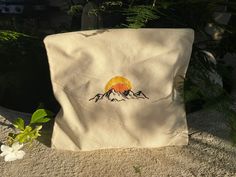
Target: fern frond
{"x":138,"y":16}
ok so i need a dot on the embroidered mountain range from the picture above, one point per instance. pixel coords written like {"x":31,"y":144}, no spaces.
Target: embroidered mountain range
{"x":118,"y":89}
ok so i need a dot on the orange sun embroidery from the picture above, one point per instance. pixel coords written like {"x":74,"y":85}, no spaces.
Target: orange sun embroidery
{"x":118,"y":89}
{"x":119,"y":84}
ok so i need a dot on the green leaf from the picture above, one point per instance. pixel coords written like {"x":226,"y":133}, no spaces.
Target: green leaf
{"x":43,"y":120}
{"x":19,"y":123}
{"x":29,"y":134}
{"x":41,"y":116}
{"x":75,"y":10}
{"x":36,"y":132}
{"x":24,"y":136}
{"x":137,"y":16}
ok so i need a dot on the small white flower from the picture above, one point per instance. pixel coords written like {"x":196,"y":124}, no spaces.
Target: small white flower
{"x":12,"y":153}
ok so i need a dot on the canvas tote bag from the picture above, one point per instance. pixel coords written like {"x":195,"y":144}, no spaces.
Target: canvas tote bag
{"x":118,"y":87}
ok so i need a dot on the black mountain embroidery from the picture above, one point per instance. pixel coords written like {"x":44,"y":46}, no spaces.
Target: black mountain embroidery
{"x":114,"y":96}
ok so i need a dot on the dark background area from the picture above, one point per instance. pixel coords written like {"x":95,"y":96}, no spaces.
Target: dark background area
{"x":24,"y":71}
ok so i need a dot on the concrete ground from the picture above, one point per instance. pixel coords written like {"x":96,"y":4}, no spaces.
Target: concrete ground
{"x":209,"y":153}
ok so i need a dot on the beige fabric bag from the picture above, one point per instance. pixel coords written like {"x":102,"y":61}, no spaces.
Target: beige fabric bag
{"x":117,"y":88}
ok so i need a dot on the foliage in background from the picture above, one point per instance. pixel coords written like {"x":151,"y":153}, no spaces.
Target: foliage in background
{"x":75,"y":9}
{"x":24,"y":73}
{"x":138,"y":16}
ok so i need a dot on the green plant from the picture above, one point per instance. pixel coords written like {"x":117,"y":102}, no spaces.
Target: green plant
{"x":138,"y":16}
{"x":25,"y":134}
{"x":75,"y":10}
{"x":28,"y":133}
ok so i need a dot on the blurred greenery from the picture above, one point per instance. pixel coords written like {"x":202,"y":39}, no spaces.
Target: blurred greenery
{"x":24,"y":73}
